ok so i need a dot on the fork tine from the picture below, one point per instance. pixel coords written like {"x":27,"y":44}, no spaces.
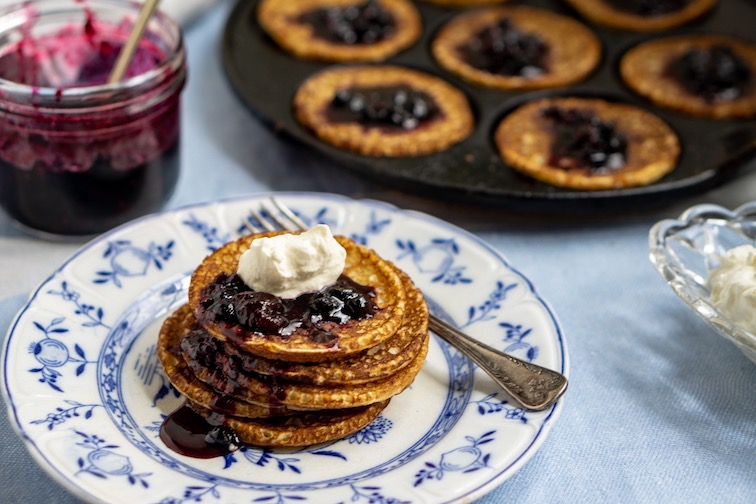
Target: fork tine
{"x":272,"y":216}
{"x":263,"y":221}
{"x":247,"y":223}
{"x":299,"y":223}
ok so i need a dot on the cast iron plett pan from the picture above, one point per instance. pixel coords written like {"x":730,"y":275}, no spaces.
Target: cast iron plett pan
{"x":713,"y":152}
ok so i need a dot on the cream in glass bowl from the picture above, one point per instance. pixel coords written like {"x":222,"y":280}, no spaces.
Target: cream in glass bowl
{"x":708,"y":256}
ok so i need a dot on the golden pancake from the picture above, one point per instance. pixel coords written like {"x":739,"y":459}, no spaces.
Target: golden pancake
{"x":524,"y":139}
{"x":299,"y":430}
{"x":573,"y":51}
{"x":223,"y":373}
{"x":306,"y":399}
{"x":464,"y":3}
{"x":645,"y":69}
{"x":280,"y":20}
{"x":174,"y":329}
{"x":363,"y":266}
{"x":452,"y":123}
{"x":604,"y":13}
{"x":373,"y":364}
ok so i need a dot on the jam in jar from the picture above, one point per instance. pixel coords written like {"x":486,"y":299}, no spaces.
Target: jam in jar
{"x":79,"y":155}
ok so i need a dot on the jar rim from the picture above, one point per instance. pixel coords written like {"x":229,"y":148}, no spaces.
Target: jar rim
{"x":57,"y":97}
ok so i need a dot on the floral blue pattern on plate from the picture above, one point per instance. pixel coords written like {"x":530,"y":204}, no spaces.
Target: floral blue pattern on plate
{"x":87,"y":394}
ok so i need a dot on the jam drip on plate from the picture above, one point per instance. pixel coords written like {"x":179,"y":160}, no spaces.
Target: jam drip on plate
{"x":583,"y":141}
{"x":385,"y":106}
{"x":714,"y":73}
{"x":187,"y":432}
{"x":228,"y":299}
{"x":502,"y":49}
{"x":649,"y":7}
{"x":365,"y":23}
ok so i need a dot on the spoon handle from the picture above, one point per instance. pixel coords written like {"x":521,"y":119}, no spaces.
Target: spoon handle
{"x":127,"y":52}
{"x":531,"y":386}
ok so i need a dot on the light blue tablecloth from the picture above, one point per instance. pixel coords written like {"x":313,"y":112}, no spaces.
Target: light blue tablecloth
{"x":660,"y":408}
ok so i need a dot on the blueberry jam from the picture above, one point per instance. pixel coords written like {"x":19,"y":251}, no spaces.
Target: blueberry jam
{"x":197,"y":346}
{"x":502,"y":49}
{"x":229,"y":300}
{"x":649,"y":7}
{"x":58,"y":200}
{"x":583,"y":141}
{"x":394,"y":107}
{"x":75,"y":56}
{"x":365,"y":23}
{"x":225,"y":373}
{"x":75,"y":159}
{"x":714,"y":73}
{"x":187,"y":432}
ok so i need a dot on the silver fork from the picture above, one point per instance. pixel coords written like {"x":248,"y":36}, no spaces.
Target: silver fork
{"x":531,"y":386}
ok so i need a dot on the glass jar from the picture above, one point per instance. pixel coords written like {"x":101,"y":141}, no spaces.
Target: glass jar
{"x":79,"y":156}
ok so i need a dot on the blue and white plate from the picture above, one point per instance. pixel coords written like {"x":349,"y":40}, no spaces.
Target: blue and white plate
{"x":87,"y":394}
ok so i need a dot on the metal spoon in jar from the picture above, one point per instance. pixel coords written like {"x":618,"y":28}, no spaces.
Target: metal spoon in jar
{"x":137,"y":30}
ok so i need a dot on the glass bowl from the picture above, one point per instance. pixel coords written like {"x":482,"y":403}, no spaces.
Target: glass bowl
{"x":686,"y":249}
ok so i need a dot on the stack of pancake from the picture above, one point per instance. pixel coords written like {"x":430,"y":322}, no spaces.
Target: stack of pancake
{"x":300,"y":388}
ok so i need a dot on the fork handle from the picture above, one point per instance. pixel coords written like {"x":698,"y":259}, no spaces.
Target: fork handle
{"x":531,"y":386}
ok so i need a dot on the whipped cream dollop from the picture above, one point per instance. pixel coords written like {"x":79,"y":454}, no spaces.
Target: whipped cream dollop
{"x":288,"y":265}
{"x":733,"y":286}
